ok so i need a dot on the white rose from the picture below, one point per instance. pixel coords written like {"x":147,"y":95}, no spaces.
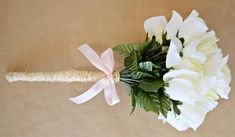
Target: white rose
{"x":199,"y":77}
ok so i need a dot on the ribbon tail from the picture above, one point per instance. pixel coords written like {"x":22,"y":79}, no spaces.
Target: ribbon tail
{"x":90,"y":93}
{"x":108,"y":60}
{"x":110,"y":93}
{"x":93,"y":57}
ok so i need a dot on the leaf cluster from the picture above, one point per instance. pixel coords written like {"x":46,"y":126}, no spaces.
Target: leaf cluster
{"x":143,"y":73}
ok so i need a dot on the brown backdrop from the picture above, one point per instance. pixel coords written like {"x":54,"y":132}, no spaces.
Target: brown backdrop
{"x":38,"y":35}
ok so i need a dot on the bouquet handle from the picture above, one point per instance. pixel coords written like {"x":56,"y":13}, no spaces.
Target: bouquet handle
{"x":59,"y":76}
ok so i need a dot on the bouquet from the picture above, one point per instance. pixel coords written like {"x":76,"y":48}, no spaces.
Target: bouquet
{"x":178,"y":72}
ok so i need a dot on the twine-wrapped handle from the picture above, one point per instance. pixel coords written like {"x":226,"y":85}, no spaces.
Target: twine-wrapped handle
{"x":105,"y":79}
{"x":59,"y":76}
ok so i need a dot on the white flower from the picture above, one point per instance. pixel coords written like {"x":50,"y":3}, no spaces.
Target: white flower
{"x":200,"y":76}
{"x":190,"y":28}
{"x":155,"y":26}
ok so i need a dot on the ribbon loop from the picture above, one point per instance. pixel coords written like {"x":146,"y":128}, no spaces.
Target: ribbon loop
{"x":104,"y":63}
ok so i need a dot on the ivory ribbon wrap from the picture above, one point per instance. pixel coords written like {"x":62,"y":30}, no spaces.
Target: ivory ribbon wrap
{"x":105,"y":80}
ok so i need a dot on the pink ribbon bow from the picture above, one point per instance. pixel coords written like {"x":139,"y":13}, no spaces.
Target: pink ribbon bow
{"x":104,"y":63}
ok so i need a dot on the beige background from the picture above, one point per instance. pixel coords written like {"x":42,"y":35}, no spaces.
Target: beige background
{"x":38,"y":35}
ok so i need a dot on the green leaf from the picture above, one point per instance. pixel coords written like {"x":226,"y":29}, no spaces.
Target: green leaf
{"x":141,"y":74}
{"x":131,"y":61}
{"x":165,"y":41}
{"x":151,"y":85}
{"x":129,"y":89}
{"x":147,"y":66}
{"x":133,"y":102}
{"x":126,"y":49}
{"x":156,"y":102}
{"x":149,"y":46}
{"x":156,"y":73}
{"x":175,"y":106}
{"x":132,"y":93}
{"x":147,"y":70}
{"x":148,"y":101}
{"x":156,"y":66}
{"x":165,"y":103}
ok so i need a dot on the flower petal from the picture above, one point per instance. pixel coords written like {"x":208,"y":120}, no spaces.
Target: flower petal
{"x":222,"y":88}
{"x":182,"y":90}
{"x":174,"y":121}
{"x":211,"y":94}
{"x":172,"y":57}
{"x":195,"y":115}
{"x":155,"y":26}
{"x":177,"y":43}
{"x":173,"y":24}
{"x":226,"y":74}
{"x":206,"y":83}
{"x":216,"y":64}
{"x":181,"y":73}
{"x":192,"y":27}
{"x":191,"y":52}
{"x":191,"y":116}
{"x":195,"y":14}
